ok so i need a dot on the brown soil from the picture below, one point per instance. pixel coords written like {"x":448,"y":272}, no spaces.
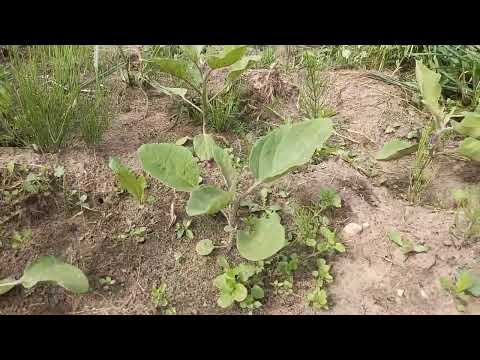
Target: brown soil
{"x":368,"y":278}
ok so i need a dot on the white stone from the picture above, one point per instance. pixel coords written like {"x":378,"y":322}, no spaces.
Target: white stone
{"x":350,"y":230}
{"x":400,"y":292}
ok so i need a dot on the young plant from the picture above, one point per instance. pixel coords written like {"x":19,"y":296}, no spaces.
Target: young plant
{"x":20,"y":239}
{"x":234,"y":282}
{"x":406,"y":246}
{"x":467,"y":216}
{"x":270,"y":158}
{"x":205,"y":247}
{"x":183,"y":229}
{"x":318,"y":297}
{"x":49,"y":269}
{"x":313,"y":90}
{"x":195,"y":69}
{"x":428,"y":82}
{"x":161,"y":300}
{"x":135,"y":185}
{"x":466,"y":284}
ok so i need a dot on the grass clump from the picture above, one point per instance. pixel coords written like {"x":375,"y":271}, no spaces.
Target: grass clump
{"x":47,"y":105}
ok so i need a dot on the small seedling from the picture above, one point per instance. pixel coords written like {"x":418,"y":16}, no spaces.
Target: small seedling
{"x":59,"y":171}
{"x":234,"y":282}
{"x":20,"y":239}
{"x":406,"y":246}
{"x":183,"y":229}
{"x":330,"y":244}
{"x":151,"y":200}
{"x":284,"y":287}
{"x":49,"y":269}
{"x":135,"y":185}
{"x":467,"y":216}
{"x":137,"y":233}
{"x":329,"y":198}
{"x":205,"y":247}
{"x":467,"y":283}
{"x":318,"y":298}
{"x":161,"y":300}
{"x":107,"y":281}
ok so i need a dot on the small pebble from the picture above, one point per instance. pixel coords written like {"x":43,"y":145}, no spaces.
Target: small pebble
{"x":350,"y":230}
{"x":365,"y":226}
{"x":400,"y":292}
{"x":447,"y":243}
{"x":423,"y":294}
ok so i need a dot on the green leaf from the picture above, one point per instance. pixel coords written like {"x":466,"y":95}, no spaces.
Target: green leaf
{"x":7,"y":284}
{"x":204,"y":145}
{"x":395,"y":237}
{"x":230,"y":55}
{"x":192,"y":51}
{"x":246,"y":271}
{"x":329,"y":198}
{"x":340,"y":247}
{"x":470,"y":148}
{"x":207,"y":199}
{"x":179,"y":68}
{"x":272,"y":155}
{"x":172,"y":164}
{"x":237,"y":69}
{"x":470,"y":125}
{"x":189,"y":234}
{"x":263,"y":240}
{"x":225,"y":300}
{"x":464,"y":281}
{"x":59,"y":171}
{"x":257,"y":292}
{"x":204,"y":247}
{"x":170,"y":91}
{"x":128,"y":181}
{"x":475,"y":288}
{"x":395,"y":149}
{"x":48,"y":268}
{"x":224,"y":162}
{"x":461,"y":196}
{"x":240,"y":292}
{"x":429,"y":84}
{"x":446,"y":283}
{"x":420,"y":248}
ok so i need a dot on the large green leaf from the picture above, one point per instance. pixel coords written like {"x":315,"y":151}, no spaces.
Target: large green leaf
{"x":264,"y":239}
{"x":470,"y":125}
{"x":179,"y":68}
{"x":172,"y":164}
{"x":48,"y":268}
{"x":7,"y":284}
{"x":192,"y":51}
{"x":240,"y":66}
{"x":128,"y":180}
{"x":204,"y":145}
{"x":230,"y":55}
{"x":287,"y":147}
{"x":207,"y":199}
{"x":395,"y":149}
{"x":470,"y":148}
{"x":224,"y":162}
{"x":429,"y":84}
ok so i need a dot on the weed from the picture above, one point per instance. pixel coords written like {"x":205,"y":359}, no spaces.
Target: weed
{"x":128,"y":180}
{"x":268,"y":58}
{"x":466,"y":283}
{"x":183,"y":229}
{"x":467,"y":215}
{"x":20,"y":239}
{"x":318,"y":298}
{"x":420,"y":173}
{"x":312,"y":99}
{"x":160,"y":299}
{"x":96,"y":115}
{"x":235,"y":282}
{"x":406,"y":246}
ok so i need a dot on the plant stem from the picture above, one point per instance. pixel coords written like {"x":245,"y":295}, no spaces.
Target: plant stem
{"x":205,"y":102}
